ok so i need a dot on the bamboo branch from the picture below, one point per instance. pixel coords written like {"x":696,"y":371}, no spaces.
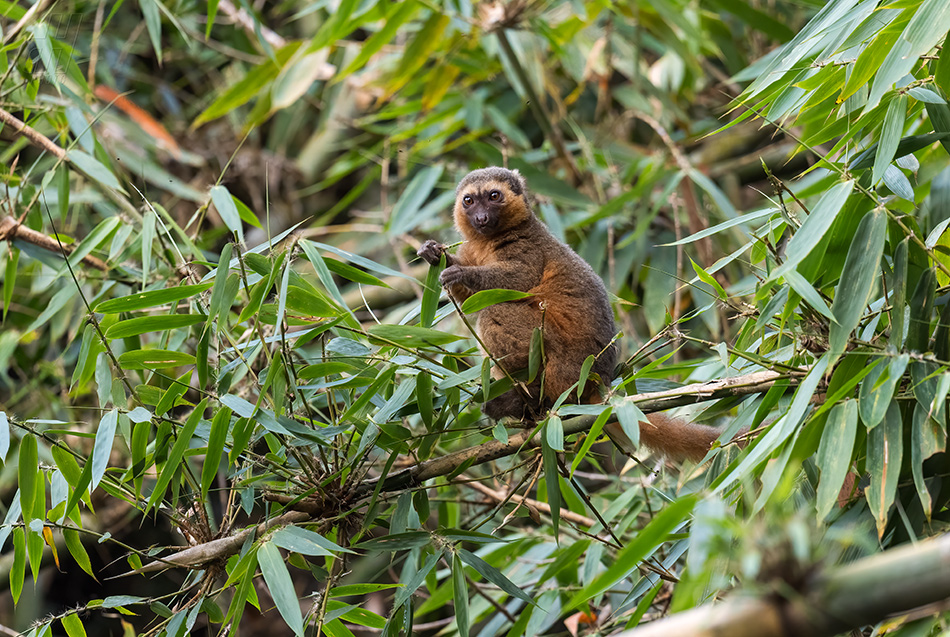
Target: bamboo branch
{"x":859,"y":594}
{"x":40,"y":140}
{"x":543,"y":507}
{"x":755,"y":383}
{"x":199,"y":555}
{"x":10,"y":229}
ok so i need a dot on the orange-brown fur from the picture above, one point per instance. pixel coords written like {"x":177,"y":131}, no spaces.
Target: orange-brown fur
{"x":507,"y":246}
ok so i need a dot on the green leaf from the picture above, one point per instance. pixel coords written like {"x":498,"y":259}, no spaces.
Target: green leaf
{"x":885,"y":450}
{"x":921,"y":309}
{"x":306,"y":303}
{"x":328,"y":368}
{"x":296,"y":78}
{"x":94,"y":169}
{"x":280,"y":586}
{"x":400,"y":13}
{"x":899,"y":294}
{"x":153,"y":23}
{"x":9,"y":278}
{"x":159,"y":323}
{"x":535,"y":353}
{"x":493,"y":575}
{"x":815,"y":226}
{"x":73,"y":625}
{"x":27,"y":464}
{"x":755,"y":19}
{"x":411,"y":336}
{"x":397,"y":542}
{"x":301,"y":540}
{"x":405,"y":215}
{"x":898,"y":183}
{"x":216,"y":439}
{"x":335,"y":26}
{"x":629,"y":416}
{"x":927,"y":438}
{"x":430,"y":295}
{"x":249,"y":86}
{"x":351,"y":273}
{"x":460,"y":595}
{"x":102,"y":450}
{"x":890,"y":137}
{"x":226,"y":207}
{"x":871,"y":58}
{"x":554,"y":433}
{"x":926,"y":28}
{"x":77,"y":550}
{"x":708,"y":280}
{"x":485,"y":298}
{"x":858,"y":277}
{"x":154,"y":359}
{"x":877,"y":389}
{"x":834,"y":454}
{"x":906,"y":146}
{"x":4,"y":437}
{"x":629,"y":557}
{"x":176,"y":454}
{"x":591,"y":437}
{"x":144,"y":300}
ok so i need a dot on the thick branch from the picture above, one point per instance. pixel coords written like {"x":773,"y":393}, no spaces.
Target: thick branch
{"x":40,"y":140}
{"x":10,"y":230}
{"x":849,"y":597}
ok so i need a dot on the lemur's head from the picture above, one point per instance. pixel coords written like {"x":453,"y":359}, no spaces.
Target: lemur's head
{"x":491,"y":201}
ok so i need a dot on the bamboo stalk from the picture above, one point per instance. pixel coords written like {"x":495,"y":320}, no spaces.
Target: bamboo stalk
{"x":859,"y":594}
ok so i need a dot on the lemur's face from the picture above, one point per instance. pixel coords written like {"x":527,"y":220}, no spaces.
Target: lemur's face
{"x":490,"y":201}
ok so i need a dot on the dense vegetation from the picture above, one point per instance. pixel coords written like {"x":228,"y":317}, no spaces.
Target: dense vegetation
{"x":226,"y":377}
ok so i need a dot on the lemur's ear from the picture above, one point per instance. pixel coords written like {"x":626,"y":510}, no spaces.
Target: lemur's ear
{"x":521,"y":180}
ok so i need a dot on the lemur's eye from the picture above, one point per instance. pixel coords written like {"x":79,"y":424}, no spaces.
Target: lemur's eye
{"x":494,"y":195}
{"x":467,"y":200}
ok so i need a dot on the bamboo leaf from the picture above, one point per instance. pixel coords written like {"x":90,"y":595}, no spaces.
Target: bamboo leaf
{"x":281,"y":587}
{"x":629,"y":557}
{"x":493,"y":575}
{"x":400,"y":13}
{"x":217,"y":437}
{"x":102,"y":450}
{"x":405,"y":217}
{"x":224,"y":204}
{"x":927,"y":438}
{"x":885,"y":450}
{"x":858,"y":277}
{"x":815,"y":226}
{"x":154,"y":359}
{"x":411,"y":336}
{"x":460,"y":595}
{"x":27,"y":464}
{"x":890,"y":136}
{"x":145,"y":300}
{"x":834,"y":454}
{"x":486,"y":298}
{"x":159,"y":323}
{"x":176,"y":454}
{"x":877,"y":389}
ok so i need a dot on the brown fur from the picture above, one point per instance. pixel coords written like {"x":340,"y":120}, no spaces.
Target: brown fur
{"x":507,"y":246}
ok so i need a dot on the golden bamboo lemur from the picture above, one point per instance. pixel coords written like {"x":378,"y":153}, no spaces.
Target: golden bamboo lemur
{"x":507,"y":246}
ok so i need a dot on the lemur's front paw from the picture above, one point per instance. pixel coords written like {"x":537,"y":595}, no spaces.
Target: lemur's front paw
{"x":452,"y":275}
{"x":432,"y":252}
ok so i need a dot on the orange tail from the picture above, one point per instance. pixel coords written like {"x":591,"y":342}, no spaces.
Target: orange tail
{"x":676,"y":439}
